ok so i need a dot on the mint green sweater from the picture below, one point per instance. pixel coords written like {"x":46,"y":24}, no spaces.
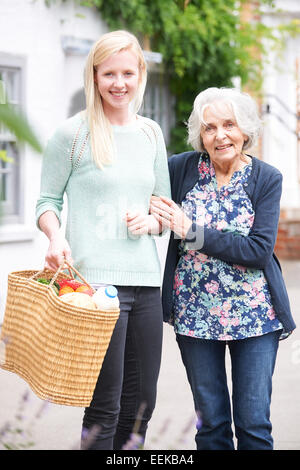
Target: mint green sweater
{"x":102,"y":248}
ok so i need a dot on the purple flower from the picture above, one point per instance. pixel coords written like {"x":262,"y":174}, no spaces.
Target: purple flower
{"x":135,"y":442}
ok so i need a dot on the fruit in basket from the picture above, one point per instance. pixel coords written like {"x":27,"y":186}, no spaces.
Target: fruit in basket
{"x":82,"y":288}
{"x":65,"y":290}
{"x":79,"y":299}
{"x":71,"y":283}
{"x":62,"y":282}
{"x":74,"y":284}
{"x":85,"y":289}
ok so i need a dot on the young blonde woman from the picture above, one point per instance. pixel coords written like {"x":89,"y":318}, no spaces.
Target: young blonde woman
{"x":109,"y":160}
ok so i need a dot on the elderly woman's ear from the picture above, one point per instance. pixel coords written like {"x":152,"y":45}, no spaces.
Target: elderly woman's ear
{"x":246,"y":141}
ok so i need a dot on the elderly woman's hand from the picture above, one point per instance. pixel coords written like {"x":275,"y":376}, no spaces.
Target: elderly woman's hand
{"x":170,"y":215}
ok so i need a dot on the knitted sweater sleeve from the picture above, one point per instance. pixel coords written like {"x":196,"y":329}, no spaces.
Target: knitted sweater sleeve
{"x":56,"y":169}
{"x":254,"y":250}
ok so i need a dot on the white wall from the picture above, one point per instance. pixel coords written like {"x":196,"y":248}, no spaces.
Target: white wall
{"x":31,"y":30}
{"x":279,"y":144}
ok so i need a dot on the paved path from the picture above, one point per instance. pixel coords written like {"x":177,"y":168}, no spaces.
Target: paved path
{"x":172,"y":426}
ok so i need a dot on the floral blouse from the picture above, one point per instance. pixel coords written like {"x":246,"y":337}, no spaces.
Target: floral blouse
{"x":213,"y":299}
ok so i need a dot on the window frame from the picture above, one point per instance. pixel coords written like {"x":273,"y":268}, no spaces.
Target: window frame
{"x":12,"y":212}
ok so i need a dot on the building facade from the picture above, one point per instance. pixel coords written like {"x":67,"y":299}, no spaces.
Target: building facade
{"x":281,"y":136}
{"x":42,"y":57}
{"x":41,"y":75}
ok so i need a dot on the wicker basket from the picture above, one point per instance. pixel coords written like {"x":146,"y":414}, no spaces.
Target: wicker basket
{"x":57,"y":348}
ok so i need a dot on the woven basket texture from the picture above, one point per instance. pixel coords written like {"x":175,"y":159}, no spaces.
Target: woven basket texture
{"x":57,"y":348}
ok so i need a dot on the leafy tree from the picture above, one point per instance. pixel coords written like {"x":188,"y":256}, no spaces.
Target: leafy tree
{"x":19,"y":126}
{"x":203,"y":42}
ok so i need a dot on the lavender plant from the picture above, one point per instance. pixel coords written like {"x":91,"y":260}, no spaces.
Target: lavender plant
{"x":18,"y":433}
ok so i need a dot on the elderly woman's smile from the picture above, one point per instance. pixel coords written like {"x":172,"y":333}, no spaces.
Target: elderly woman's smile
{"x":221,"y":135}
{"x":223,"y":147}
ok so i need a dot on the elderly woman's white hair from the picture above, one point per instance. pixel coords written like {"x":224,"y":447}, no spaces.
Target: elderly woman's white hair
{"x":244,"y":110}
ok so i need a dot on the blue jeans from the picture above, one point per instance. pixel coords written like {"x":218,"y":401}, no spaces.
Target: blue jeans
{"x":125,"y":393}
{"x":252,"y":366}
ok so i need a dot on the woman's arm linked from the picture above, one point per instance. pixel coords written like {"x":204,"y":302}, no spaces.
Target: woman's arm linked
{"x":254,"y":250}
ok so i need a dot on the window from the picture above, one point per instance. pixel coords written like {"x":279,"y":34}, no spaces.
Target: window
{"x":11,"y":78}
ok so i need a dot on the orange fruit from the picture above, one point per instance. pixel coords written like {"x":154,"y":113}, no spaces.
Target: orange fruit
{"x":84,"y":289}
{"x":65,"y":290}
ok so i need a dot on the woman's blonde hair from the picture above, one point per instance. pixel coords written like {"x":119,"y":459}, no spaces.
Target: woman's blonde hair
{"x":101,"y":136}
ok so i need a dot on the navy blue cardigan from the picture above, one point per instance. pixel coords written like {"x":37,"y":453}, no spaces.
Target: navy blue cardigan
{"x":255,"y":251}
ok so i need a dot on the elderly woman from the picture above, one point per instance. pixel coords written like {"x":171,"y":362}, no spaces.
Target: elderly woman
{"x":222,"y":282}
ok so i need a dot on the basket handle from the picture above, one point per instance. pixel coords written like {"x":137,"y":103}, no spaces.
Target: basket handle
{"x":70,"y":267}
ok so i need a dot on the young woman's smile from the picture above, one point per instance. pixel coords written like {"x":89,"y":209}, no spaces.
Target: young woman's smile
{"x":117,"y":79}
